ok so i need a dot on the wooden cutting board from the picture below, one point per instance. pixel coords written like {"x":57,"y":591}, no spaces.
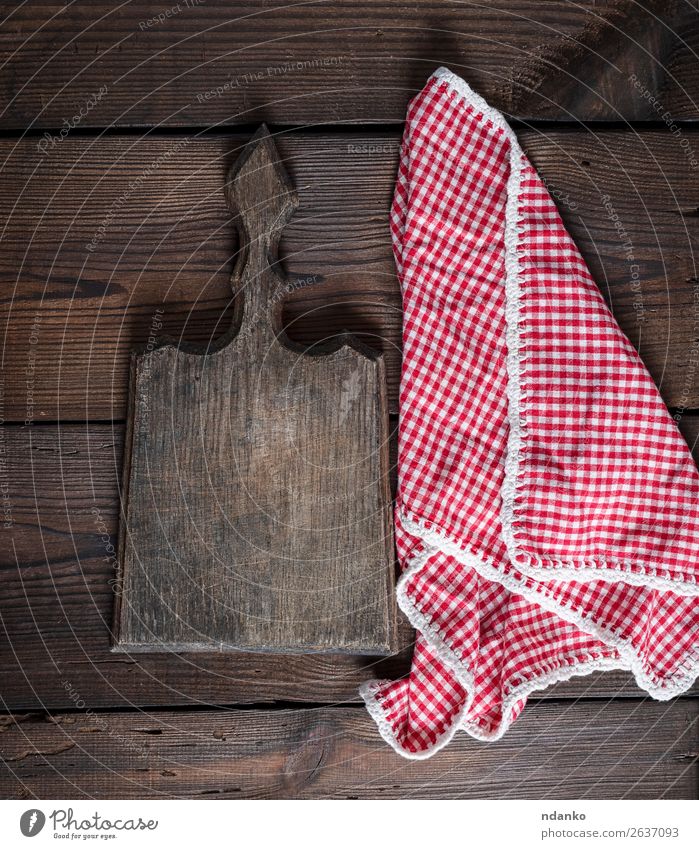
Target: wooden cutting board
{"x":256,"y":509}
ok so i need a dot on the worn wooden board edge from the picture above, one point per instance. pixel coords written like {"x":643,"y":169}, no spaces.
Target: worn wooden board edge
{"x":123,"y":502}
{"x":586,"y":750}
{"x":57,"y":603}
{"x":261,"y":140}
{"x":391,"y":644}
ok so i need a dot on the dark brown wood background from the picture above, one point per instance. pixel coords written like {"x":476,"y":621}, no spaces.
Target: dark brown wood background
{"x":120,"y":231}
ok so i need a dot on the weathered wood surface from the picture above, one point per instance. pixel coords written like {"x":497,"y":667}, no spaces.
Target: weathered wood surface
{"x":57,"y":562}
{"x":110,"y":241}
{"x":164,"y":247}
{"x":588,"y":750}
{"x":256,"y":510}
{"x":224,"y":62}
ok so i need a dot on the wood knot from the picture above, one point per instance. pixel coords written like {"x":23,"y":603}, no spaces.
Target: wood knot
{"x":305,"y":763}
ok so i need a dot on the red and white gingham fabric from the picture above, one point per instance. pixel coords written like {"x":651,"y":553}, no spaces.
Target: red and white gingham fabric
{"x":547,"y":518}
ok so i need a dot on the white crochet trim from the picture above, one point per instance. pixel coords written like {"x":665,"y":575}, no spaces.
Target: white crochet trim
{"x":633,"y":572}
{"x":628,"y":659}
{"x":436,"y":539}
{"x":541,"y":568}
{"x":515,"y":356}
{"x":452,"y":661}
{"x":438,"y":647}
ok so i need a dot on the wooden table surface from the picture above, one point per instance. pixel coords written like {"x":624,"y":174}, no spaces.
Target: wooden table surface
{"x":117,"y":125}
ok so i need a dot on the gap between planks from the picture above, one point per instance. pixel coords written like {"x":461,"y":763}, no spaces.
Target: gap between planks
{"x":56,"y":601}
{"x":172,"y":247}
{"x":638,"y":749}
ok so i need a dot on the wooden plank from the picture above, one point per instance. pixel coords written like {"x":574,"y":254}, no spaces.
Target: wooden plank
{"x":96,"y":261}
{"x":121,"y":263}
{"x":221,"y":62}
{"x":689,"y":427}
{"x":633,"y":749}
{"x":58,"y":561}
{"x":256,"y":511}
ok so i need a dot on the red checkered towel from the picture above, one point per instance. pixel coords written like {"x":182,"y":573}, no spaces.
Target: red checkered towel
{"x":547,"y":517}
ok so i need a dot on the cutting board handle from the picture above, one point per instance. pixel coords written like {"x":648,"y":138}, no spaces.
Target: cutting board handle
{"x":260,"y":192}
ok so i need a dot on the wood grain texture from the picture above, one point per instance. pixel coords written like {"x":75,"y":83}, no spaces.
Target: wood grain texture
{"x":58,"y":562}
{"x":634,"y":749}
{"x":110,"y":241}
{"x":305,"y":63}
{"x":256,"y":511}
{"x":95,"y":260}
